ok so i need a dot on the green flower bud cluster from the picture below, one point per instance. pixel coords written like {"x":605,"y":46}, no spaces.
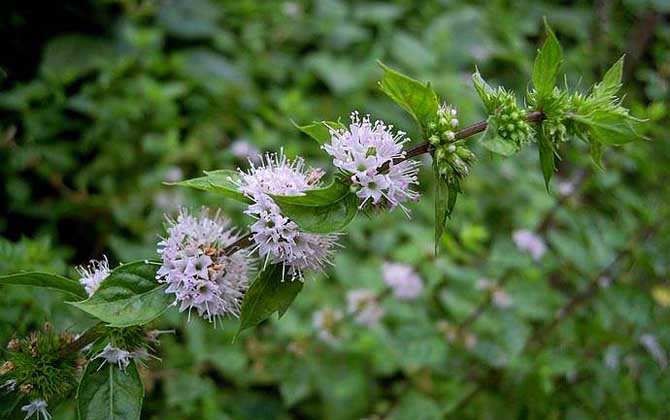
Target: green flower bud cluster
{"x":444,"y":126}
{"x":452,"y":162}
{"x":36,"y":368}
{"x":452,"y":159}
{"x":509,"y":119}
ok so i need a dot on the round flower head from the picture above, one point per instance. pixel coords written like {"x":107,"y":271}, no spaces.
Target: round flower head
{"x":403,"y":280}
{"x":369,"y":152}
{"x":93,"y":274}
{"x":277,"y":237}
{"x":197,"y":269}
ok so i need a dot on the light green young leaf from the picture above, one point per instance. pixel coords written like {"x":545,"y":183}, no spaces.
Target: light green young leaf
{"x":496,"y":144}
{"x":547,"y":64}
{"x":221,"y":181}
{"x":418,"y":99}
{"x":324,"y":210}
{"x":129,"y":296}
{"x":609,"y":127}
{"x":611,"y":83}
{"x":46,"y":280}
{"x":320,"y":130}
{"x":269,"y":293}
{"x":484,"y":90}
{"x":107,"y":393}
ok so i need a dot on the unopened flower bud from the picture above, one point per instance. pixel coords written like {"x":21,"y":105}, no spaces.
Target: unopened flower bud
{"x":454,"y":122}
{"x":434,"y":140}
{"x":26,"y":388}
{"x":451,"y":148}
{"x":14,"y":345}
{"x":6,"y":368}
{"x":449,"y":135}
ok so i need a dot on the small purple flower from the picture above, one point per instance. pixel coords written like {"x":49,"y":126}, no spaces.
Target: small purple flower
{"x":114,"y":355}
{"x":242,"y":149}
{"x":277,"y":237}
{"x":93,"y":274}
{"x":403,"y":280}
{"x":364,"y":305}
{"x":37,"y":408}
{"x":197,"y":269}
{"x":368,"y":153}
{"x":530,"y":242}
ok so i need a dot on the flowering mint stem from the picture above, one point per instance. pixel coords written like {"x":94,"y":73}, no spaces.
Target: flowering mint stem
{"x":466,"y":132}
{"x":84,"y":340}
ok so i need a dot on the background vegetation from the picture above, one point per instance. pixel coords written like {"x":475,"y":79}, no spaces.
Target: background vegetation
{"x":107,"y":99}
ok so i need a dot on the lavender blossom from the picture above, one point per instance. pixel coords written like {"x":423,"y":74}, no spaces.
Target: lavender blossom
{"x":277,"y":237}
{"x":368,"y":153}
{"x":530,"y":242}
{"x":403,"y":280}
{"x":197,"y":269}
{"x":364,"y":305}
{"x":37,"y":408}
{"x":114,"y":355}
{"x":93,"y":274}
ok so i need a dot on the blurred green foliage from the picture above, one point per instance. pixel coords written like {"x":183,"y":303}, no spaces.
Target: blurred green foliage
{"x":168,"y":87}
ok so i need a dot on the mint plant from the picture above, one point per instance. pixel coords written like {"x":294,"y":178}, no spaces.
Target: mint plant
{"x":298,"y":213}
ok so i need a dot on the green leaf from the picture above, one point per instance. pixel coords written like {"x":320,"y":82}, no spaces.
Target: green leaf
{"x":547,"y":64}
{"x":418,"y":99}
{"x":107,"y":393}
{"x":609,"y":127}
{"x":69,"y":57}
{"x":445,"y":200}
{"x":494,"y":143}
{"x":611,"y":82}
{"x":547,"y":158}
{"x":221,"y":181}
{"x":269,"y":293}
{"x":320,"y":130}
{"x":484,"y":91}
{"x":10,"y":403}
{"x":129,"y":296}
{"x":324,"y":210}
{"x":46,"y":280}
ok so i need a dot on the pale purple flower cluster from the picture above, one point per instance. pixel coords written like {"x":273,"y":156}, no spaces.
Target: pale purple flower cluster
{"x":369,"y":152}
{"x":500,"y":298}
{"x":364,"y":305}
{"x":530,"y":242}
{"x":93,"y":274}
{"x":403,"y":280}
{"x":277,"y":237}
{"x":37,"y":408}
{"x":197,"y":268}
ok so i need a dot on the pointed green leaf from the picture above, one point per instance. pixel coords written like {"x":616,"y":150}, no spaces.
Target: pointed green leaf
{"x":445,"y":200}
{"x":324,"y":210}
{"x":221,"y":181}
{"x":547,"y":64}
{"x":269,"y":293}
{"x":46,"y":280}
{"x":418,"y":99}
{"x":547,"y":159}
{"x":320,"y":130}
{"x":496,"y":144}
{"x":484,"y":91}
{"x":610,"y":127}
{"x":611,"y":82}
{"x":107,"y":393}
{"x":129,"y":296}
